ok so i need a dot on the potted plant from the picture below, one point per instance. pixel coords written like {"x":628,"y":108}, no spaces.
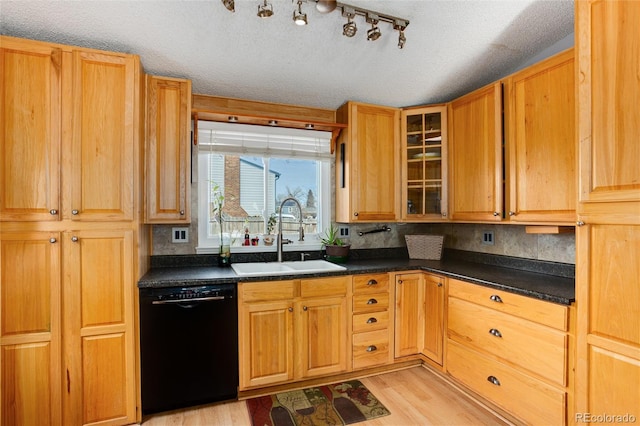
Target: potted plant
{"x":268,"y":237}
{"x":337,"y":250}
{"x":224,"y":254}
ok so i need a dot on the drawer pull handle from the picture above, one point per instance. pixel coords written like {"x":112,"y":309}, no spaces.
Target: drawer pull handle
{"x":372,"y":348}
{"x":495,"y":298}
{"x":372,"y":302}
{"x":493,"y":380}
{"x":372,"y":282}
{"x":372,"y":320}
{"x":495,"y":332}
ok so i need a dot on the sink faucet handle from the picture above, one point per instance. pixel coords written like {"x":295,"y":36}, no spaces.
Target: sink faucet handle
{"x":301,"y":238}
{"x":303,"y":256}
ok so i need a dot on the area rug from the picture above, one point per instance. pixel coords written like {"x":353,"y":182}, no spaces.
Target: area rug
{"x":338,"y":404}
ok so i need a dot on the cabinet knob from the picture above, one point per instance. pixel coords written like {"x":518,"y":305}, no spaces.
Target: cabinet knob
{"x":579,"y":223}
{"x":495,"y":298}
{"x":372,"y":320}
{"x":355,"y":214}
{"x":439,"y":284}
{"x":512,"y":213}
{"x":290,"y":309}
{"x":372,"y":302}
{"x":495,"y":332}
{"x":53,"y":212}
{"x":304,"y":308}
{"x":494,"y":380}
{"x":444,"y":214}
{"x":74,"y":212}
{"x":372,"y":282}
{"x":372,"y":348}
{"x":496,"y":214}
{"x":399,"y":281}
{"x":74,"y":239}
{"x":181,"y":212}
{"x":52,"y":240}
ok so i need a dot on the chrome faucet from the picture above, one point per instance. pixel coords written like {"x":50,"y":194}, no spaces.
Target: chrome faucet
{"x":282,"y":241}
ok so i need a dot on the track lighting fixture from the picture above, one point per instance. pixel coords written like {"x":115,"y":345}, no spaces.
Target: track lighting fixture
{"x":230,"y":5}
{"x":349,"y":29}
{"x":265,"y":10}
{"x":350,"y":12}
{"x":298,"y":17}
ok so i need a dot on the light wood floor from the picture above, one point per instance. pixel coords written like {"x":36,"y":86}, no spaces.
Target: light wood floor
{"x":415,"y":396}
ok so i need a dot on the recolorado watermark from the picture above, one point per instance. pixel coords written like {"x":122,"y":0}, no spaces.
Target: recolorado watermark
{"x":605,"y":418}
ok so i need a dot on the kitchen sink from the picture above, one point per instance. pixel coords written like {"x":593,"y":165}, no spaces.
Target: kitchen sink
{"x":253,"y":269}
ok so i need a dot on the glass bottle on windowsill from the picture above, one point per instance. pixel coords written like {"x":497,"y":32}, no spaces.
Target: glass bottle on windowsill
{"x":224,"y":255}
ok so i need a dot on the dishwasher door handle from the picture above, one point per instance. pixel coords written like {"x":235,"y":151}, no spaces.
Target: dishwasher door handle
{"x":183,"y":301}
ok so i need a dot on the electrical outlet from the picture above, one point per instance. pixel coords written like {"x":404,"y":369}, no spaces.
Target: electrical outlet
{"x":180,"y":235}
{"x":343,"y":231}
{"x":488,"y":238}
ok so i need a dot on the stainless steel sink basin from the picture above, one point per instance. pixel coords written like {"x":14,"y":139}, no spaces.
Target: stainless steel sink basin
{"x":254,"y":269}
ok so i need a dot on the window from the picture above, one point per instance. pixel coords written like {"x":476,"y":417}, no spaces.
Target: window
{"x":252,"y":169}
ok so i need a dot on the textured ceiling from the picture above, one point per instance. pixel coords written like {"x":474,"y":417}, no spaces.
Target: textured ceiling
{"x":452,"y":47}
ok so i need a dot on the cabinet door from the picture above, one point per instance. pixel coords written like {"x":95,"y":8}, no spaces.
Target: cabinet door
{"x":434,"y":296}
{"x":367,"y":183}
{"x":409,"y":325}
{"x":31,"y":75}
{"x":541,"y":172}
{"x":608,"y":53}
{"x":30,"y":339}
{"x":475,"y":155}
{"x":424,"y":163}
{"x":266,"y":343}
{"x":322,"y":336}
{"x":99,"y":349}
{"x":168,"y":152}
{"x":104,"y":136}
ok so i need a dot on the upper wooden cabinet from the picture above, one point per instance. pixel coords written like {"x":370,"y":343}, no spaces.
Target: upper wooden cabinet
{"x":168,"y":150}
{"x":30,"y":120}
{"x":475,"y":155}
{"x":81,"y":106}
{"x":367,"y":164}
{"x":424,"y":163}
{"x":540,"y":142}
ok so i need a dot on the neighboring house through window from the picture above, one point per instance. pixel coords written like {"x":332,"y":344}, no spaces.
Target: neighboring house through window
{"x":254,"y":168}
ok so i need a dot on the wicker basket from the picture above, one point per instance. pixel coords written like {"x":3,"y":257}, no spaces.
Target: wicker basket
{"x":424,"y":246}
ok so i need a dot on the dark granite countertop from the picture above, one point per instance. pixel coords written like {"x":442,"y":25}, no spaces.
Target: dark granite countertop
{"x":553,"y":284}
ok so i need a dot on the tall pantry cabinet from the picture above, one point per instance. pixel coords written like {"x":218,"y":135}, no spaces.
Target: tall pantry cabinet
{"x":608,"y":231}
{"x":71,"y":241}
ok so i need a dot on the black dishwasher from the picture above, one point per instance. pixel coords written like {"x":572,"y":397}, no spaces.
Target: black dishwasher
{"x":188,"y":346}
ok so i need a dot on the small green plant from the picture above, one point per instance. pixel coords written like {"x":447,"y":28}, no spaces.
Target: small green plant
{"x":271,"y":223}
{"x":217,"y":198}
{"x":330,"y":237}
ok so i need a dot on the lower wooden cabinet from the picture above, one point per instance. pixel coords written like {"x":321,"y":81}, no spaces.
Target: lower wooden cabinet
{"x":67,"y":330}
{"x":292,"y":330}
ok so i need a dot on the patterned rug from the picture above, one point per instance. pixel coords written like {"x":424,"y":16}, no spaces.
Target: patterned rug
{"x":338,"y":404}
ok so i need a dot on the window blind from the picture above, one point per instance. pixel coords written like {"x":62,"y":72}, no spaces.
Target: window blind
{"x":233,"y":138}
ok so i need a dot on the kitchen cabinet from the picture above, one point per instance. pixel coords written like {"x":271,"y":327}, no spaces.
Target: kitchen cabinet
{"x":367,"y":164}
{"x":72,"y":239}
{"x":503,"y":345}
{"x":419,"y":315}
{"x":168,"y":150}
{"x":30,"y":332}
{"x":424,"y":163}
{"x":31,"y":134}
{"x":372,"y":336}
{"x":292,"y":330}
{"x":475,"y":156}
{"x":608,"y":231}
{"x":540,"y":142}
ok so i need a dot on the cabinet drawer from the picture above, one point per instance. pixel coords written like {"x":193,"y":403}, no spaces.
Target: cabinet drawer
{"x":539,"y":349}
{"x":320,"y":287}
{"x":370,"y":302}
{"x":369,"y":321}
{"x":267,"y":290}
{"x":542,"y":312}
{"x":527,"y":398}
{"x":370,"y":283}
{"x":371,"y":348}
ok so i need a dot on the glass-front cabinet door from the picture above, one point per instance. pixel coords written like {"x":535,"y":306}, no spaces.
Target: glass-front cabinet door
{"x":424,"y":163}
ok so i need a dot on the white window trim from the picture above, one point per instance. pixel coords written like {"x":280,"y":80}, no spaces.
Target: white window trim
{"x":311,"y":241}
